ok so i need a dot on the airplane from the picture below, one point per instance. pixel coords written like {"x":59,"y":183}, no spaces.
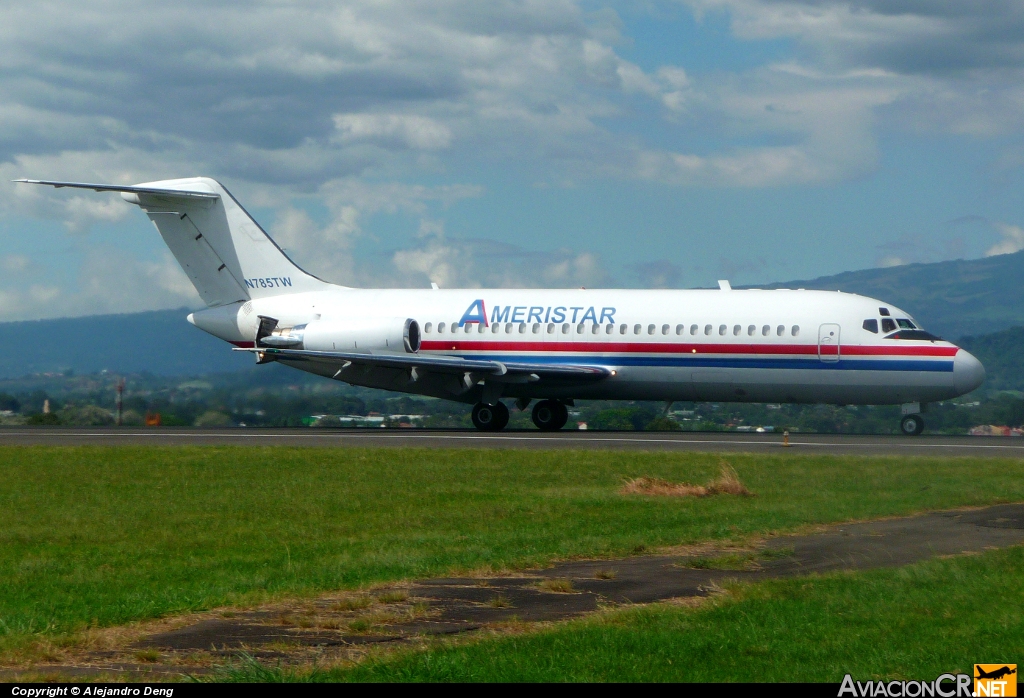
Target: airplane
{"x":552,"y":346}
{"x":995,"y":673}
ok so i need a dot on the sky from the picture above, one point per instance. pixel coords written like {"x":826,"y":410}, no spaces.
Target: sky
{"x":554,"y":143}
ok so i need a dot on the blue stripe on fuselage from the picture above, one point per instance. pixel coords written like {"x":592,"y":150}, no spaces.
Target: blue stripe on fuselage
{"x":710,"y":362}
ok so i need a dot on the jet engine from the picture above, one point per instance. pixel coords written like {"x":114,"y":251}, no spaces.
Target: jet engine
{"x":359,"y":334}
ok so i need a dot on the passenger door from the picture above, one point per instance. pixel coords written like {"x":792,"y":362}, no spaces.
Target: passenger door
{"x":828,"y":342}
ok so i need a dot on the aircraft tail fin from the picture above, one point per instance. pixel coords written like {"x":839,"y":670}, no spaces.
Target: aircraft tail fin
{"x":227,"y":256}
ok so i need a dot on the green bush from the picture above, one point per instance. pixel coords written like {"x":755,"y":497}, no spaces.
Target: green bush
{"x":213,"y":419}
{"x":86,"y":416}
{"x":662,"y":424}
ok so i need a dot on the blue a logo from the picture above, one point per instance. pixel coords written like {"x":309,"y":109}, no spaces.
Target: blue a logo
{"x":475,"y":313}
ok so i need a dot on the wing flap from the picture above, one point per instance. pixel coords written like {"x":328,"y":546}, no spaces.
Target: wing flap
{"x":437,"y":364}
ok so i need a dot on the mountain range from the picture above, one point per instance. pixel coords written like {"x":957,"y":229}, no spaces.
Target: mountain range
{"x":952,"y":299}
{"x":161,"y":342}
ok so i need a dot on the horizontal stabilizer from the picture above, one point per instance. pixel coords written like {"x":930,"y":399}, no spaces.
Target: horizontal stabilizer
{"x":186,"y":193}
{"x":437,"y":363}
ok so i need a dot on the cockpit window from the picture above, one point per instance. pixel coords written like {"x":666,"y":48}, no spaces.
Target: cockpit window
{"x":884,"y":312}
{"x":871,"y":325}
{"x":888,"y":325}
{"x":906,"y":324}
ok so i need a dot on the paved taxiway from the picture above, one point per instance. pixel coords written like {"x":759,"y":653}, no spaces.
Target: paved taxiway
{"x":421,"y":438}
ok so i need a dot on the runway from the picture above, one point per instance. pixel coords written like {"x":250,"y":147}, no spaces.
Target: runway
{"x":1005,"y":447}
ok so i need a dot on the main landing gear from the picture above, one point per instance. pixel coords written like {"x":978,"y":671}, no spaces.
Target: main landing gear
{"x":548,"y":415}
{"x":912,"y":425}
{"x":490,"y":417}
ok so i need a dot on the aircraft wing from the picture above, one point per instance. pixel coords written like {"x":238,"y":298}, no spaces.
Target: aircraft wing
{"x":438,"y":364}
{"x":156,"y":191}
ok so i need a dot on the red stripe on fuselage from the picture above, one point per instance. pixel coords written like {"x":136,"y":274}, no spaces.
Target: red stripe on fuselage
{"x":665,"y":348}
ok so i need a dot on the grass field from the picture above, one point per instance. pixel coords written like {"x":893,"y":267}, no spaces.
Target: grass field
{"x":102,"y":536}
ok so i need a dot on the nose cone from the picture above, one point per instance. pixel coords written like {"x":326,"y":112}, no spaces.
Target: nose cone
{"x":968,"y":373}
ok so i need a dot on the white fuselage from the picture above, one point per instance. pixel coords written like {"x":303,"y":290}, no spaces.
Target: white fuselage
{"x":704,"y":345}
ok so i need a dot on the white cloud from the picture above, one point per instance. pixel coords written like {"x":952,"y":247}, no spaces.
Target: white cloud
{"x":958,"y":68}
{"x":389,"y":129}
{"x":462,"y":263}
{"x":109,"y":281}
{"x":14,"y":262}
{"x":84,"y":210}
{"x":1013,"y":240}
{"x":326,"y":249}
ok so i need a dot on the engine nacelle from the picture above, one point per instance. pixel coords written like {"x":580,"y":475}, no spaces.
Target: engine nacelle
{"x":360,"y":334}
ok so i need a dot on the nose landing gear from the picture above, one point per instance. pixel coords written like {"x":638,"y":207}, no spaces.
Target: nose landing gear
{"x":912,"y":425}
{"x":550,"y":415}
{"x":490,"y":417}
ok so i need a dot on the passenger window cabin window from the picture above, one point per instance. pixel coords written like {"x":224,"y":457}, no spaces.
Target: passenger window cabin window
{"x":427,"y":327}
{"x":871,"y":325}
{"x":522,"y":328}
{"x":796,"y":330}
{"x":736,"y":329}
{"x":565,"y":328}
{"x":888,"y":325}
{"x":766,"y":330}
{"x":579,"y":328}
{"x":536,"y":328}
{"x":495,"y":328}
{"x":722,"y":329}
{"x":440,"y":328}
{"x":707,"y":329}
{"x":622,"y":328}
{"x":609,"y":329}
{"x":551,"y":328}
{"x":693,"y":329}
{"x":508,"y":328}
{"x":480,"y":328}
{"x":636,"y":329}
{"x":650,"y":329}
{"x":595,"y":329}
{"x":780,"y":330}
{"x":751,"y":329}
{"x":664,"y":329}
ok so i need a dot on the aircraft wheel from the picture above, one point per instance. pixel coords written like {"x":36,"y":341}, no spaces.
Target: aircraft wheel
{"x":550,"y":415}
{"x":912,"y":425}
{"x":490,"y":417}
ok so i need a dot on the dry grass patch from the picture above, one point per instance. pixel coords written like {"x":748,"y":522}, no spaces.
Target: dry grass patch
{"x":148,"y":656}
{"x":357,"y":603}
{"x":559,"y":586}
{"x":727,"y":482}
{"x":394,"y":596}
{"x":499,"y":601}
